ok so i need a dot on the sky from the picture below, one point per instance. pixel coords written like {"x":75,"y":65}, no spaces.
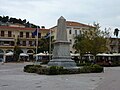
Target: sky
{"x":46,"y":12}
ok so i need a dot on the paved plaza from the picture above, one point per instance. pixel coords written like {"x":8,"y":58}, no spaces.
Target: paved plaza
{"x":12,"y":77}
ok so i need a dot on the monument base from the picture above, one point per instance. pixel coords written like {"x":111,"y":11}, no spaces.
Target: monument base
{"x":66,"y":63}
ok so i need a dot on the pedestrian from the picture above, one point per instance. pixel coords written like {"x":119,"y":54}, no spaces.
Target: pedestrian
{"x":110,"y":63}
{"x":2,"y":62}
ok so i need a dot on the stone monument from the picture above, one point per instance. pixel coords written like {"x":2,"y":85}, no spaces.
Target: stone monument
{"x":61,"y":51}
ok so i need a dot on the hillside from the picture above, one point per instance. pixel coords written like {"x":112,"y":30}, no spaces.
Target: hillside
{"x":6,"y":21}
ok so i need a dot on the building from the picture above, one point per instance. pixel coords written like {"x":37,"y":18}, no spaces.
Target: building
{"x":114,"y":45}
{"x":18,"y":35}
{"x":73,"y":29}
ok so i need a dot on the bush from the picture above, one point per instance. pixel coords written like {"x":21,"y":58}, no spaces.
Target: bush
{"x":26,"y":68}
{"x":42,"y":70}
{"x":97,"y":68}
{"x":85,"y":69}
{"x":31,"y":68}
{"x":91,"y":69}
{"x":55,"y":70}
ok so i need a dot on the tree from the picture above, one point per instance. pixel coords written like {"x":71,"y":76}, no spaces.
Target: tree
{"x":44,"y":44}
{"x":0,"y":18}
{"x":5,"y":19}
{"x":17,"y":52}
{"x":92,"y":41}
{"x":116,"y":32}
{"x":24,"y":21}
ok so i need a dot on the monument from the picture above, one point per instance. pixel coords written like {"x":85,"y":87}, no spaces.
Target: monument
{"x":61,"y":51}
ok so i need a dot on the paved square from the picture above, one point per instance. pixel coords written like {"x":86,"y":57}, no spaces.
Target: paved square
{"x":12,"y":77}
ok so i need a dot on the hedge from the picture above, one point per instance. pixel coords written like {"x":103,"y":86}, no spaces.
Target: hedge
{"x":56,"y":70}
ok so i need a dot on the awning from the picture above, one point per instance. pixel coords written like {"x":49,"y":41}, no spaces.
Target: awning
{"x":88,"y":55}
{"x":104,"y":54}
{"x":41,"y":54}
{"x":76,"y":54}
{"x":23,"y":54}
{"x":9,"y":54}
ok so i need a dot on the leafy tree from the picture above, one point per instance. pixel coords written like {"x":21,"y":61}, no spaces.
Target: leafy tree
{"x":93,"y":41}
{"x":24,"y":21}
{"x":27,"y":24}
{"x":19,"y":21}
{"x":17,"y":52}
{"x":116,"y":32}
{"x":0,"y":18}
{"x":5,"y":19}
{"x":44,"y":44}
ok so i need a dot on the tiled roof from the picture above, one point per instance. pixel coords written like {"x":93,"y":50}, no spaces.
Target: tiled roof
{"x":71,"y":23}
{"x":20,"y":28}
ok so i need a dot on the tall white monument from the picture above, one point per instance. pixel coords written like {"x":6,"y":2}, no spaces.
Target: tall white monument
{"x":61,"y":51}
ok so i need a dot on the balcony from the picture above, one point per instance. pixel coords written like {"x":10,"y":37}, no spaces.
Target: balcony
{"x":30,"y":47}
{"x":6,"y":46}
{"x":7,"y":39}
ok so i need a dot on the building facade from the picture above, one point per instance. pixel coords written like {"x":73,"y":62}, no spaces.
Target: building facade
{"x":73,"y":29}
{"x":18,"y":35}
{"x":114,"y":45}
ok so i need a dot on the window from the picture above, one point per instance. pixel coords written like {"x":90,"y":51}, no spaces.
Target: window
{"x":80,"y":32}
{"x":12,"y":43}
{"x":21,"y":34}
{"x":21,"y":43}
{"x":70,"y":41}
{"x":2,"y":33}
{"x":69,"y":31}
{"x":33,"y":43}
{"x":27,"y":43}
{"x":1,"y":43}
{"x":9,"y":34}
{"x":30,"y":43}
{"x":39,"y":35}
{"x":33,"y":36}
{"x":75,"y":32}
{"x":24,"y":43}
{"x":27,"y":34}
{"x":85,"y":32}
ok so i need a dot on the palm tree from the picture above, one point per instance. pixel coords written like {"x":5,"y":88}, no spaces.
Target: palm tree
{"x":116,"y":32}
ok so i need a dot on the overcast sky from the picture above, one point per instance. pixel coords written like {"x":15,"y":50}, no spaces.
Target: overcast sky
{"x":46,"y":12}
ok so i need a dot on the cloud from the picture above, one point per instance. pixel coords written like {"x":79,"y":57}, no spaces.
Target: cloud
{"x":46,"y":12}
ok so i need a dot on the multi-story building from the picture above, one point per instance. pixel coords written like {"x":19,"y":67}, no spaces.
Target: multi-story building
{"x":73,"y":29}
{"x":114,"y":45}
{"x":10,"y":36}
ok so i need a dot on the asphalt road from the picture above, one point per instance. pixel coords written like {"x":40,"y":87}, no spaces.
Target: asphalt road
{"x":12,"y":77}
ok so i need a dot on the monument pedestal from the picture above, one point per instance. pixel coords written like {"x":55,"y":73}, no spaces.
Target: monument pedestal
{"x":61,"y":55}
